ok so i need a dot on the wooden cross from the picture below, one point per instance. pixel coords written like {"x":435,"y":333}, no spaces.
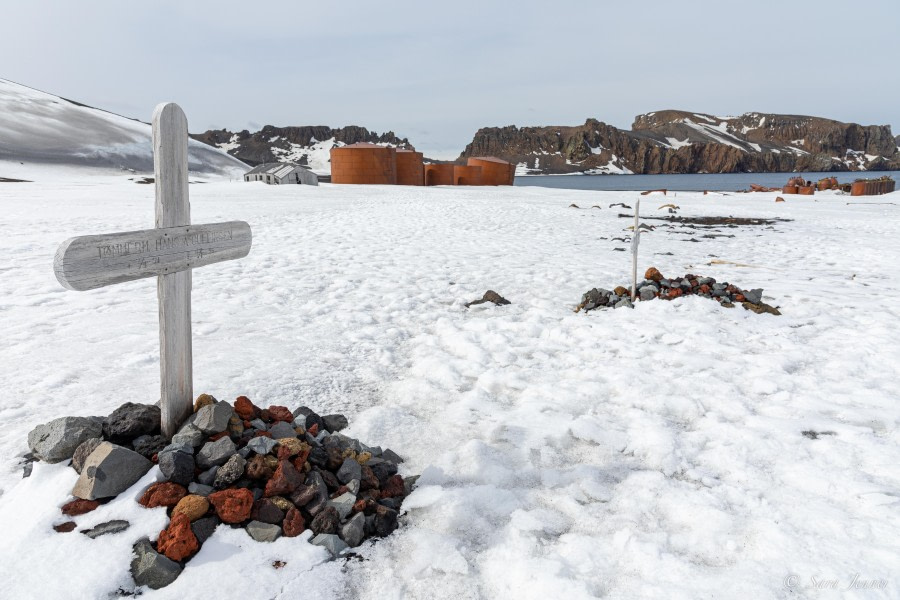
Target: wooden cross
{"x":168,"y":252}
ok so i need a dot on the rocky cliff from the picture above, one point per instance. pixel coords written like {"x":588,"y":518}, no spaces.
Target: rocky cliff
{"x":673,"y":141}
{"x":307,"y":145}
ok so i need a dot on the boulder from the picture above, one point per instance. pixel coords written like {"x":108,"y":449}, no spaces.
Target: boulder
{"x":294,"y":523}
{"x":205,"y":527}
{"x":282,"y":429}
{"x":262,"y":444}
{"x":57,"y":440}
{"x":267,"y":511}
{"x":177,"y":467}
{"x":148,"y":445}
{"x":232,"y":505}
{"x":335,"y":422}
{"x":188,"y":435}
{"x":198,"y":489}
{"x":131,"y":420}
{"x":245,"y":409}
{"x":194,"y":506}
{"x":326,"y":521}
{"x":311,"y":418}
{"x":164,"y":493}
{"x":391,"y":456}
{"x":349,"y":470}
{"x":353,"y":531}
{"x":263,"y":532}
{"x":330,"y":542}
{"x":151,"y":568}
{"x":78,"y":507}
{"x":203,"y":400}
{"x":285,"y":480}
{"x":84,"y":450}
{"x":214,"y":454}
{"x":281,"y":414}
{"x":213,"y":418}
{"x":343,"y":504}
{"x":109,"y":471}
{"x":258,"y":469}
{"x":385,"y":520}
{"x":177,"y":541}
{"x":230,"y":472}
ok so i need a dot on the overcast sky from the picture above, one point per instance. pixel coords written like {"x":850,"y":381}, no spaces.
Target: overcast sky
{"x":437,"y":71}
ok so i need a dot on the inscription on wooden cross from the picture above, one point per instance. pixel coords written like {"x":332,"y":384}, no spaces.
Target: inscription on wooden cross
{"x":168,"y":252}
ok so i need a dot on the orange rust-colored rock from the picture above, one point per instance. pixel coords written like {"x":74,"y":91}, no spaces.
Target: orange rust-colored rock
{"x":232,"y":505}
{"x":466,"y":175}
{"x":165,"y":493}
{"x":494,"y":171}
{"x":78,"y":507}
{"x":293,"y":524}
{"x":281,"y":413}
{"x":653,"y":274}
{"x":410,"y":169}
{"x":439,"y":174}
{"x":245,"y":409}
{"x":364,"y":164}
{"x":393,"y":487}
{"x":191,"y":505}
{"x":177,"y":541}
{"x":285,"y":480}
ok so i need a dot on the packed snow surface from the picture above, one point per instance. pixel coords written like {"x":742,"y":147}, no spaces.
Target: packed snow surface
{"x":647,"y":453}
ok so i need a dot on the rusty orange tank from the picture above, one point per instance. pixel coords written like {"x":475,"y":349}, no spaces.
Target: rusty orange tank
{"x":364,"y":163}
{"x":439,"y":174}
{"x":494,"y":171}
{"x":410,"y":170}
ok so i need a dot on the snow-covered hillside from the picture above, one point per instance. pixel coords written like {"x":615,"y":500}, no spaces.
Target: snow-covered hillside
{"x":40,"y":132}
{"x":648,"y":453}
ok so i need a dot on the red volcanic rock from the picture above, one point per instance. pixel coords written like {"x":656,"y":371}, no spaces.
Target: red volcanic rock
{"x":163,"y":494}
{"x":178,"y":541}
{"x":739,"y":298}
{"x":293,"y":524}
{"x":313,"y":430}
{"x":79,"y":507}
{"x":246,"y":410}
{"x":264,"y":415}
{"x":653,"y":274}
{"x":64,"y":527}
{"x":369,"y":481}
{"x":281,"y":413}
{"x":285,"y":480}
{"x":232,"y":505}
{"x":360,"y":505}
{"x":393,"y":487}
{"x":247,"y":424}
{"x":704,"y":289}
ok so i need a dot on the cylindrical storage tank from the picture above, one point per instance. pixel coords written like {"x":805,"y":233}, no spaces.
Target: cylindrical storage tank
{"x":410,"y":170}
{"x":494,"y":171}
{"x":439,"y":174}
{"x":824,"y":184}
{"x":364,"y":163}
{"x":891,"y":186}
{"x":807,"y":190}
{"x":466,"y":175}
{"x":790,"y":189}
{"x":858,"y":188}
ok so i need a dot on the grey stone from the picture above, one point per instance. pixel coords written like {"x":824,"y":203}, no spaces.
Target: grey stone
{"x":320,"y":497}
{"x":373,"y":450}
{"x":391,"y":457}
{"x":132,"y":420}
{"x":330,"y":542}
{"x":109,"y":471}
{"x":409,"y":484}
{"x":245,"y":452}
{"x":114,"y":526}
{"x":349,"y":470}
{"x":335,"y":423}
{"x":353,"y":531}
{"x":216,"y":453}
{"x":205,"y":527}
{"x":57,"y":440}
{"x":152,"y":569}
{"x":753,"y":296}
{"x":263,"y":532}
{"x":624,"y":303}
{"x":177,"y":467}
{"x":719,"y":286}
{"x":148,"y":445}
{"x":262,"y":444}
{"x":83,"y":451}
{"x":188,"y":435}
{"x":230,"y":472}
{"x":612,"y":299}
{"x":198,"y":489}
{"x":184,"y":447}
{"x":647,"y":294}
{"x":353,"y":487}
{"x":370,"y":525}
{"x":344,"y":504}
{"x":665,"y":283}
{"x":258,"y":424}
{"x":282,"y":430}
{"x":208,"y":477}
{"x":213,"y":418}
{"x":706,"y":281}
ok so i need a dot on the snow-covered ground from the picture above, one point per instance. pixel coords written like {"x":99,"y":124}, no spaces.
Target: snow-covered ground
{"x":646,"y":453}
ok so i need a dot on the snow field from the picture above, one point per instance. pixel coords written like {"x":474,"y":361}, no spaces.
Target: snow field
{"x":653,"y":453}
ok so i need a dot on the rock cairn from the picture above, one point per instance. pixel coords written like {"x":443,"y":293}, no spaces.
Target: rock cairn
{"x":272,"y":471}
{"x":655,"y":285}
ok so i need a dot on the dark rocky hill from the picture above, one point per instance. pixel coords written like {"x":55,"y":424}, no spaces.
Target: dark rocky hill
{"x":673,"y":141}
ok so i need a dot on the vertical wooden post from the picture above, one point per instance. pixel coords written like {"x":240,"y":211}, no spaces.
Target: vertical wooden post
{"x":173,"y":209}
{"x":635,"y":241}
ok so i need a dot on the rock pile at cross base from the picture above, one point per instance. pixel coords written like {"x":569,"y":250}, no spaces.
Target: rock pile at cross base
{"x":655,"y":285}
{"x":274,"y":472}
